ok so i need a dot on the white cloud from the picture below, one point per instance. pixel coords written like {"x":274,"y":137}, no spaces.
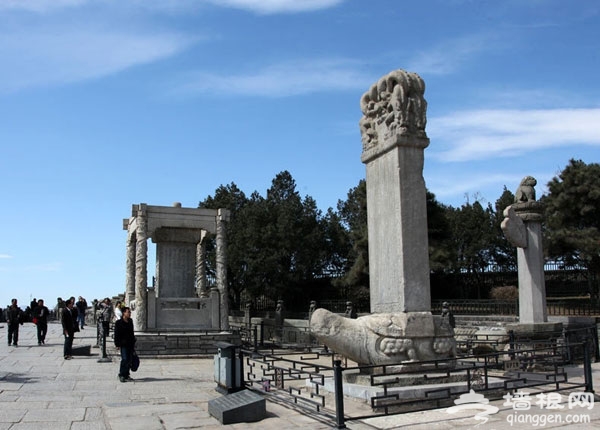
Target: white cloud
{"x":448,"y":56}
{"x":39,"y":5}
{"x":486,"y":134}
{"x":277,"y":6}
{"x":59,"y":55}
{"x":256,"y":6}
{"x":483,"y":186}
{"x":281,"y":80}
{"x":4,"y":256}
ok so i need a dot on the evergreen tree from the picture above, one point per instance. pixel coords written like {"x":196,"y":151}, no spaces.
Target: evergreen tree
{"x":505,"y":254}
{"x":573,"y":218}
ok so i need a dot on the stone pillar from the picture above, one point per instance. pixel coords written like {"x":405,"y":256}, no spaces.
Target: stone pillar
{"x":394,"y":139}
{"x":141,"y":269}
{"x":532,"y":287}
{"x":201,"y":282}
{"x":522,"y":226}
{"x":221,"y":269}
{"x":130,"y":268}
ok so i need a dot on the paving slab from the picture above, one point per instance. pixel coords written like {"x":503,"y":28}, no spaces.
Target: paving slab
{"x":39,"y":389}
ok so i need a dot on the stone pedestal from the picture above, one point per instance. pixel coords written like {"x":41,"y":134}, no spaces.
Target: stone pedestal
{"x":385,"y":338}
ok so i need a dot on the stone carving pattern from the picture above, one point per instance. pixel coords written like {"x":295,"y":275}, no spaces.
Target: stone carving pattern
{"x":394,"y":105}
{"x":382,"y":338}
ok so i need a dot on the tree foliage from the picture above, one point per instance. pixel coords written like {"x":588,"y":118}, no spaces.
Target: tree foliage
{"x":354,"y":284}
{"x":573,"y":216}
{"x":277,"y":245}
{"x":283,"y":246}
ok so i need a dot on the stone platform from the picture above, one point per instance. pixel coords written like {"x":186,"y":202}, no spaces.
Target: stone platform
{"x":182,"y":343}
{"x":41,"y":390}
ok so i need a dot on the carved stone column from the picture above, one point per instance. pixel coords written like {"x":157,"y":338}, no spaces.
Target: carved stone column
{"x":522,"y":226}
{"x":530,"y":262}
{"x":393,"y":135}
{"x":222,"y":219}
{"x":401,"y":327}
{"x":141,"y":269}
{"x":130,"y":268}
{"x":201,"y":282}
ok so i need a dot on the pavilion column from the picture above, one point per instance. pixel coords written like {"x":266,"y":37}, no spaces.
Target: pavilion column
{"x":141,"y":269}
{"x":130,"y":269}
{"x":222,"y":219}
{"x":201,"y":282}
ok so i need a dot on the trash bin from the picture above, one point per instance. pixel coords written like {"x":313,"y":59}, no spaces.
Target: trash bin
{"x":228,"y":368}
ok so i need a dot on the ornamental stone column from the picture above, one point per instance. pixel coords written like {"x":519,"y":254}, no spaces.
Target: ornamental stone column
{"x":394,"y":139}
{"x":400,"y":327}
{"x":522,"y":226}
{"x":221,"y":269}
{"x":201,"y":282}
{"x":130,"y":268}
{"x":141,"y":268}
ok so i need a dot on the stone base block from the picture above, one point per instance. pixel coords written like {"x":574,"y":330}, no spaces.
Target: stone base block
{"x":188,"y":344}
{"x":81,"y":350}
{"x":241,"y":407}
{"x":536,"y":331}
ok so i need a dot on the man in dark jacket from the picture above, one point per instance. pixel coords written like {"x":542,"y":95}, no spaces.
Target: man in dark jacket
{"x":40,"y":314}
{"x":14,"y":317}
{"x":68,"y":326}
{"x":81,"y":306}
{"x":125,"y":341}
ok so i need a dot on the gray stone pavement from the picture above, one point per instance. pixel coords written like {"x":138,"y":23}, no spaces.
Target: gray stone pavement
{"x":41,"y":390}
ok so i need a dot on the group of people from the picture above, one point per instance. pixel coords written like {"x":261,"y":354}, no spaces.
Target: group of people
{"x":15,"y":317}
{"x":72,"y":319}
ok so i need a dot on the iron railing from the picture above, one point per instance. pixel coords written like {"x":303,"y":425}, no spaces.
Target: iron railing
{"x":309,"y":381}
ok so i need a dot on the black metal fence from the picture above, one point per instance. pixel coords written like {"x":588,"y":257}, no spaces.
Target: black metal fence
{"x":310,"y":381}
{"x":583,"y":306}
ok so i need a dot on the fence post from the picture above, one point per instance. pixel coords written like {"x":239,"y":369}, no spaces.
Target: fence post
{"x":339,"y":394}
{"x":255,"y":334}
{"x":587,"y":368}
{"x":262,"y":332}
{"x":511,"y":343}
{"x":596,"y":346}
{"x":242,"y":383}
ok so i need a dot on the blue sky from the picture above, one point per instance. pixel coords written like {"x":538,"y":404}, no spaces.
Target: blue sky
{"x":105,"y":104}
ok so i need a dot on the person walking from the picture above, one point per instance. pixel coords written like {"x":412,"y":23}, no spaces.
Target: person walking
{"x":14,"y":317}
{"x":81,"y":308}
{"x":40,"y":314}
{"x":68,"y":326}
{"x":125,"y":341}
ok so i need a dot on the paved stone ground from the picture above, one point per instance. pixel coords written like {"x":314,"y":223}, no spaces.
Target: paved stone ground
{"x":41,"y":390}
